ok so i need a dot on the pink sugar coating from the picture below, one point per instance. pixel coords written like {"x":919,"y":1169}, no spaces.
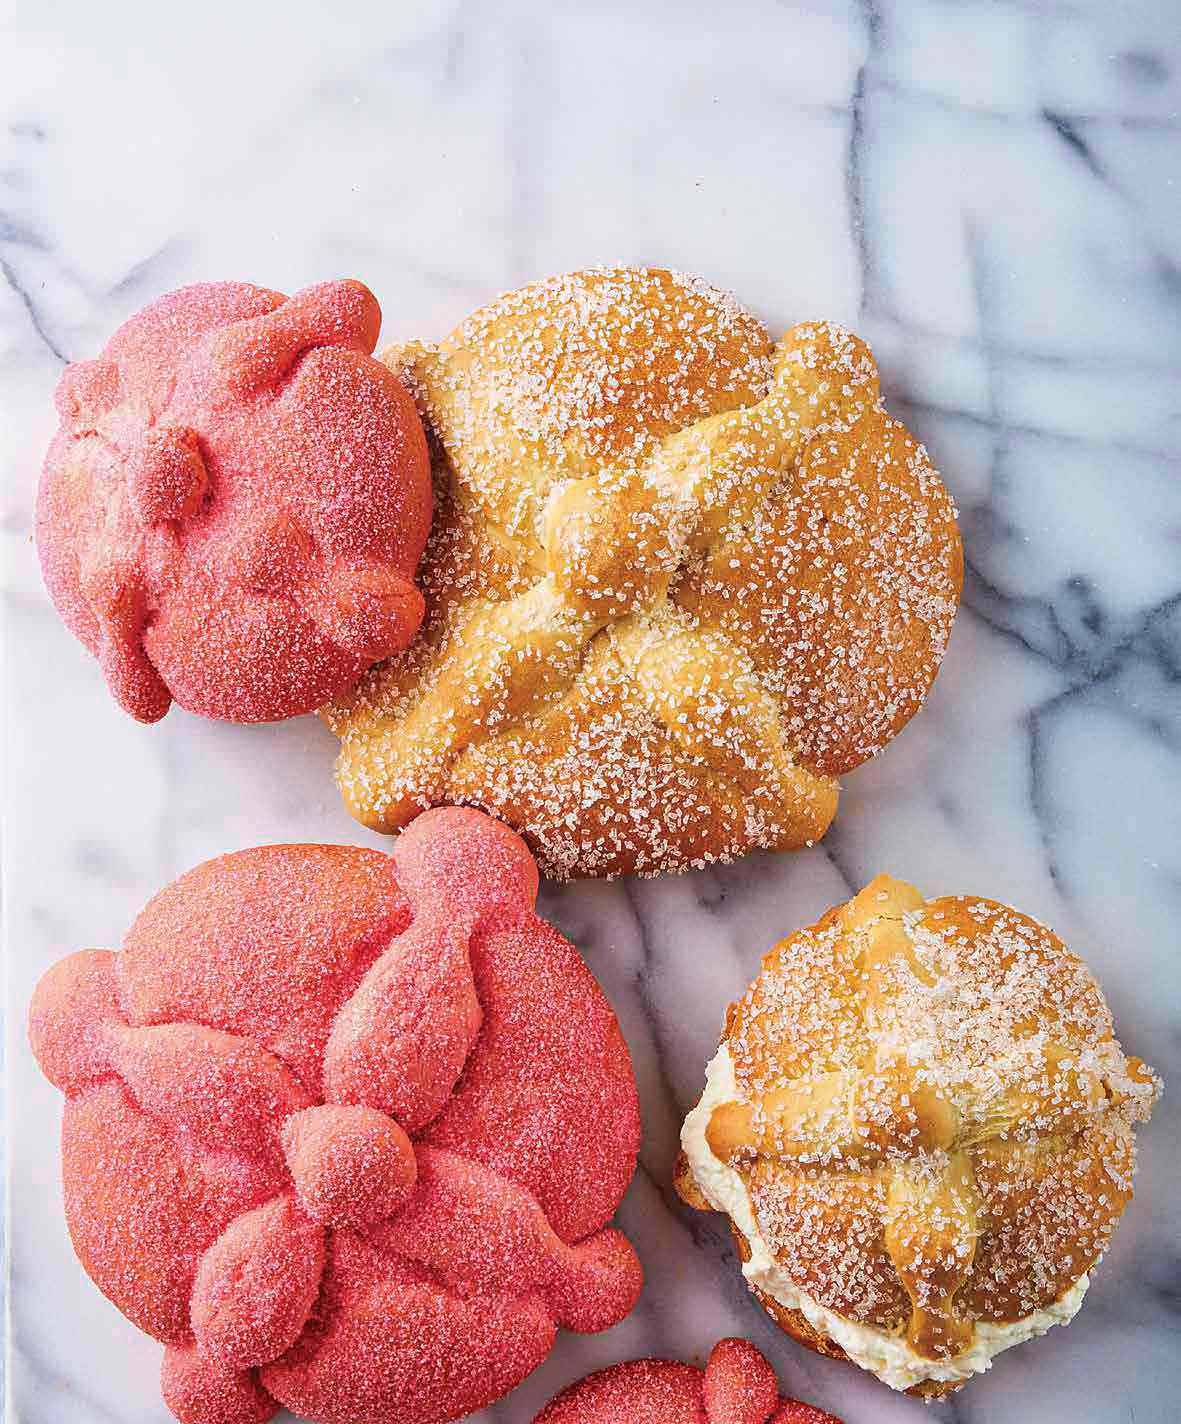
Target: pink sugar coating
{"x":199,"y":1392}
{"x":548,"y":1067}
{"x":282,"y":1238}
{"x":144,"y":1204}
{"x":737,"y":1386}
{"x":351,"y":1166}
{"x":392,"y":1347}
{"x":472,"y":1228}
{"x":256,"y":1285}
{"x":401,"y":1042}
{"x":233,"y":508}
{"x":266,"y":943}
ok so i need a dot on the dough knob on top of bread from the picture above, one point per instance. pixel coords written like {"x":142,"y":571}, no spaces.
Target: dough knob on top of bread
{"x":919,"y":1122}
{"x":681,"y":578}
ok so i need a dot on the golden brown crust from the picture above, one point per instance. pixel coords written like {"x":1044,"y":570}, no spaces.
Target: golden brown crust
{"x":681,"y":579}
{"x":685,"y":1185}
{"x":933,"y":1119}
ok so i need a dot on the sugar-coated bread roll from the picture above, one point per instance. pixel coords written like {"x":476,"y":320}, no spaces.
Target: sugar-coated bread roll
{"x":737,"y":1386}
{"x":344,"y":1130}
{"x":235,"y":503}
{"x":681,"y":578}
{"x":919,"y":1123}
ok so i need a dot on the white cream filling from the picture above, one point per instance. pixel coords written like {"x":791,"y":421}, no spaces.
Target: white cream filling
{"x":885,"y":1355}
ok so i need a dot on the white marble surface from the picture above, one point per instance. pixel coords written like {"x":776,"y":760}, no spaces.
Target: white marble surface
{"x":989,"y":191}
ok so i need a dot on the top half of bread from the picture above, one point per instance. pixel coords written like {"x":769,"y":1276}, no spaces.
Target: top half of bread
{"x":625,"y":454}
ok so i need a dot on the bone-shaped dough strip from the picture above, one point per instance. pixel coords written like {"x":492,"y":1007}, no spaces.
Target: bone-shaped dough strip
{"x":1060,"y":1093}
{"x":503,"y":657}
{"x":810,"y":1118}
{"x":931,"y":1234}
{"x":871,"y":1114}
{"x":710,"y":698}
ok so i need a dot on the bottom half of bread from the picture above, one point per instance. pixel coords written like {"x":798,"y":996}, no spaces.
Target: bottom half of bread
{"x":792,"y":1322}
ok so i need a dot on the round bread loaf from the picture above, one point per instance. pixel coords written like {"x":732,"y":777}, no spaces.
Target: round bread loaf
{"x":681,"y":578}
{"x":919,"y":1122}
{"x":344,"y":1130}
{"x":233,"y":508}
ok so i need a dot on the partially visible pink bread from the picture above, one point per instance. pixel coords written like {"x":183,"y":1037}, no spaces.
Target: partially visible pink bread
{"x":737,"y":1386}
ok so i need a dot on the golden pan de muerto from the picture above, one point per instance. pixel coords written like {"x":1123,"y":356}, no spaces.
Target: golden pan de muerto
{"x":681,"y":578}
